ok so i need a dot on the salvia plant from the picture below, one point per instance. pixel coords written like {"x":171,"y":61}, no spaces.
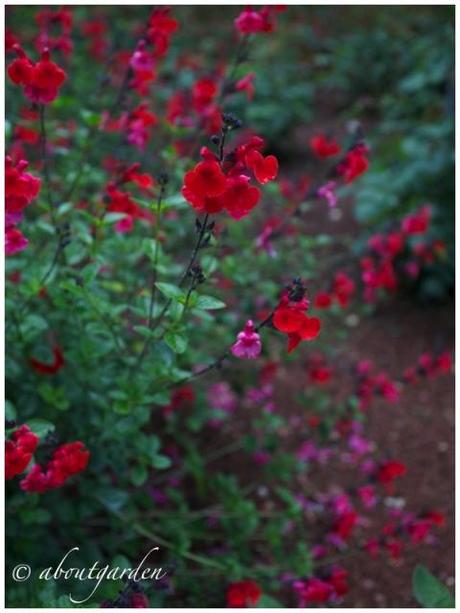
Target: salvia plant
{"x":160,"y":284}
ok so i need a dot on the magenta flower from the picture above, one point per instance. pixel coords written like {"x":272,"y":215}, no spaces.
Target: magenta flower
{"x":248,"y":345}
{"x":327,"y":192}
{"x":15,"y":241}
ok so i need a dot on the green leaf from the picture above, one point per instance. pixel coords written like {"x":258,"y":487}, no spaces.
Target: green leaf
{"x":143,"y":331}
{"x":429,"y":591}
{"x":89,"y":273}
{"x":139,"y":475}
{"x":170,"y":291}
{"x":112,"y":498}
{"x":10,"y":411}
{"x":208,"y":303}
{"x":161,"y":462}
{"x":266,"y":601}
{"x":177,"y":342}
{"x":40,"y":427}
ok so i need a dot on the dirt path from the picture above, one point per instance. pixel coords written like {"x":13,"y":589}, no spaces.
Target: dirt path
{"x":418,"y":430}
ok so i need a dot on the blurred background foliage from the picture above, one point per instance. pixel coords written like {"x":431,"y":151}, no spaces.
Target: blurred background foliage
{"x":391,"y":68}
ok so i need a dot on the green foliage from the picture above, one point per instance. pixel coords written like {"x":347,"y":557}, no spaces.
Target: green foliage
{"x":429,"y":591}
{"x":134,"y":327}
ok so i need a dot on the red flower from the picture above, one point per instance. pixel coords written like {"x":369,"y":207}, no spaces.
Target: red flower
{"x":249,"y":21}
{"x":20,"y":187}
{"x":354,"y":164}
{"x":436,"y":517}
{"x":161,"y":21}
{"x":15,"y":241}
{"x":290,"y":318}
{"x":52,"y":368}
{"x":343,"y":288}
{"x":206,"y":180}
{"x":41,"y":81}
{"x":394,"y":548}
{"x":176,"y":108}
{"x":338,"y":581}
{"x":19,"y":450}
{"x":372,"y":547}
{"x":308,"y":332}
{"x":203,"y":93}
{"x":26,"y":135}
{"x":121,"y":202}
{"x":246,"y":84}
{"x":320,"y":374}
{"x":417,"y":223}
{"x":240,"y":198}
{"x":389,"y":471}
{"x":67,"y":460}
{"x":264,"y":169}
{"x":323,"y":300}
{"x":313,"y":591}
{"x":139,"y":601}
{"x":181,"y":398}
{"x":287,"y":319}
{"x":344,"y":525}
{"x":47,"y":75}
{"x":142,"y":180}
{"x":243,"y":594}
{"x":322,"y":147}
{"x":20,"y":70}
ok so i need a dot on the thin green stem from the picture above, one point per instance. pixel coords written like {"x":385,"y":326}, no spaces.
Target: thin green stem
{"x":159,"y":540}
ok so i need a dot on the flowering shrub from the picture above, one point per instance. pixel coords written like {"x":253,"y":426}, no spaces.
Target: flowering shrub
{"x":166,"y":283}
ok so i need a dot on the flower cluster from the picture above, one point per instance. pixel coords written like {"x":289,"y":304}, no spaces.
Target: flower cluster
{"x":252,"y":21}
{"x":20,"y":189}
{"x":19,"y":450}
{"x":416,"y":529}
{"x":380,"y":269}
{"x":181,"y":397}
{"x":40,"y":80}
{"x":341,"y":292}
{"x":429,"y":366}
{"x":323,"y":147}
{"x":290,"y":316}
{"x":67,"y":460}
{"x":61,"y":20}
{"x":119,"y":201}
{"x":327,"y":588}
{"x":161,"y":27}
{"x":137,"y":124}
{"x":370,"y":385}
{"x":215,"y":185}
{"x":95,"y":31}
{"x":242,"y":594}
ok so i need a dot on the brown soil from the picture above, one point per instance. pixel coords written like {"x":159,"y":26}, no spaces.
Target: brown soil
{"x":418,"y":430}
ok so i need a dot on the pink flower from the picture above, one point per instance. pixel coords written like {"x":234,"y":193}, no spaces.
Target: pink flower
{"x":15,"y":241}
{"x":222,"y":398}
{"x":249,"y":22}
{"x":248,"y":345}
{"x":359,"y":445}
{"x":367,"y":496}
{"x":246,"y":84}
{"x":327,"y":192}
